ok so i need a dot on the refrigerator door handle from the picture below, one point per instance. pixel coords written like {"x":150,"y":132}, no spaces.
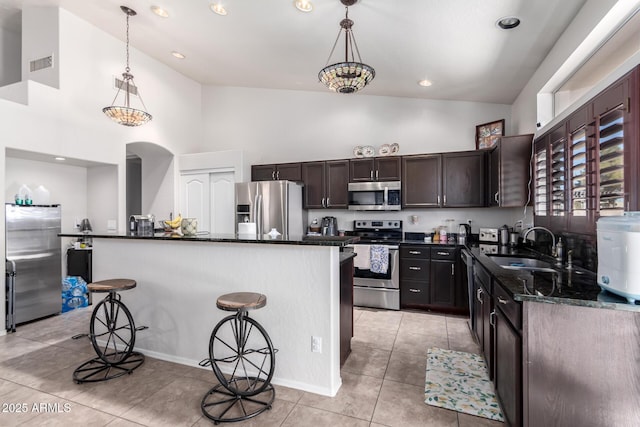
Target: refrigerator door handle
{"x":259,"y":224}
{"x":11,"y":297}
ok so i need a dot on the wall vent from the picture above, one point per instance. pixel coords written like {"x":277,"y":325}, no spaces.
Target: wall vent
{"x":119,"y":84}
{"x":40,"y":64}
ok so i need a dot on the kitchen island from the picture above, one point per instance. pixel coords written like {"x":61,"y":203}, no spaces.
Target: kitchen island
{"x":179,"y":279}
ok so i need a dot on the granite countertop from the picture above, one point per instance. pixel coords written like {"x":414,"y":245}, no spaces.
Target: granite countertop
{"x":229,"y":238}
{"x":574,"y":286}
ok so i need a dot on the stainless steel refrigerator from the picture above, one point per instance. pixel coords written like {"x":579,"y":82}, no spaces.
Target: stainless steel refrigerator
{"x":33,"y":262}
{"x":271,"y":204}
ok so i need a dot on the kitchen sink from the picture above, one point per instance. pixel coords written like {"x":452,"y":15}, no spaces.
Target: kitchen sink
{"x":518,"y":263}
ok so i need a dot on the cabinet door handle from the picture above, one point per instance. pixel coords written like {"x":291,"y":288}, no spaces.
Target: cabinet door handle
{"x":273,"y":175}
{"x":327,"y":203}
{"x":376,"y":175}
{"x":492,"y":318}
{"x":277,"y":174}
{"x":479,"y":295}
{"x":371,"y":175}
{"x":414,"y":268}
{"x":438,"y":199}
{"x":322,"y":203}
{"x":415,"y":291}
{"x":453,"y":270}
{"x":497,"y":197}
{"x":415,"y":252}
{"x":502,"y":301}
{"x":445,"y":199}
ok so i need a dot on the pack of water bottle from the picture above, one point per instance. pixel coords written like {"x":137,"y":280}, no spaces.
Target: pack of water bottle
{"x":74,"y":293}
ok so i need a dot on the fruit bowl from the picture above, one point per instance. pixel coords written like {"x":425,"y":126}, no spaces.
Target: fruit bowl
{"x":172,"y":225}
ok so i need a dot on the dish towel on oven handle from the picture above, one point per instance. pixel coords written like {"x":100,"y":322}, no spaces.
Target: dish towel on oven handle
{"x":379,"y":259}
{"x":363,"y":258}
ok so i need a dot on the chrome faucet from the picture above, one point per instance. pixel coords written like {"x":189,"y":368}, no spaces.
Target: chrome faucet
{"x":553,"y":238}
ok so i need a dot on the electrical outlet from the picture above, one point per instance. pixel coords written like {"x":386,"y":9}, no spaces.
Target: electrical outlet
{"x":76,"y":223}
{"x":316,"y":344}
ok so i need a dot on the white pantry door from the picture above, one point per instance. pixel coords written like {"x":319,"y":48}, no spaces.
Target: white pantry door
{"x":209,"y":197}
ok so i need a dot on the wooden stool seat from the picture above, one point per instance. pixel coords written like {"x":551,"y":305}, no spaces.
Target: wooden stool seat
{"x":111,"y":285}
{"x":244,"y":301}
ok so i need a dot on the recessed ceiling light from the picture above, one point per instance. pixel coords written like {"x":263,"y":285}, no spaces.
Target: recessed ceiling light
{"x":178,"y":55}
{"x":508,"y":22}
{"x":303,"y":5}
{"x":218,"y":8}
{"x":160,"y":11}
{"x":60,"y":159}
{"x":424,"y":83}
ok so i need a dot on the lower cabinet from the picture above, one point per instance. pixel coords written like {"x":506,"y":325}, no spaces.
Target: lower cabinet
{"x":508,"y":375}
{"x":429,"y":278}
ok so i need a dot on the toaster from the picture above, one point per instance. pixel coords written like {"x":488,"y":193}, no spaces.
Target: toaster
{"x":618,"y":254}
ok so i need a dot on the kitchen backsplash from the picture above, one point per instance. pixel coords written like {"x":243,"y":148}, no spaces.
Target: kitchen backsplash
{"x":428,"y":219}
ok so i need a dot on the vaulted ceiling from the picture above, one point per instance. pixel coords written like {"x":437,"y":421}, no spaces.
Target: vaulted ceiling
{"x":455,"y":44}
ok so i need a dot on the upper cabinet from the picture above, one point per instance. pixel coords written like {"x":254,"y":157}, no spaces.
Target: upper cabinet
{"x":509,"y":171}
{"x":284,"y":171}
{"x":587,"y":167}
{"x":444,"y":180}
{"x":325,"y":184}
{"x":421,"y":181}
{"x":375,"y":169}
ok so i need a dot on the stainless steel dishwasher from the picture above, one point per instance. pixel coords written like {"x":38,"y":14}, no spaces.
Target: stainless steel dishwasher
{"x":468,"y":260}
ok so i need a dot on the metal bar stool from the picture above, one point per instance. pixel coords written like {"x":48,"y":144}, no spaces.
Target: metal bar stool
{"x":243,"y":361}
{"x":113,"y":335}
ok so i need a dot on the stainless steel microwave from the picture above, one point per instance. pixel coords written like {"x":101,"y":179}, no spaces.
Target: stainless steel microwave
{"x":374,"y":196}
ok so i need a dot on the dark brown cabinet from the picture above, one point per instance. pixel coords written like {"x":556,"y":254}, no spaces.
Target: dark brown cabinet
{"x":421,"y":181}
{"x":463,"y":180}
{"x":444,"y":180}
{"x":508,"y":365}
{"x":483,"y":310}
{"x":414,"y":276}
{"x":283,"y":171}
{"x":443,"y":277}
{"x":508,"y":165}
{"x":429,"y":278}
{"x":375,"y":169}
{"x":325,"y":184}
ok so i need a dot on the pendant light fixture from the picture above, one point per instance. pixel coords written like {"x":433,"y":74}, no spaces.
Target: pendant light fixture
{"x":125,"y":115}
{"x":349,"y":76}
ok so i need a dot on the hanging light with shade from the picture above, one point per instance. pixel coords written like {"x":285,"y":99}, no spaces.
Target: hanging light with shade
{"x":349,"y":76}
{"x":124,"y":114}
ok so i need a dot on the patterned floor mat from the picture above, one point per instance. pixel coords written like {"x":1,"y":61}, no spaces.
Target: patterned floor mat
{"x":459,"y":381}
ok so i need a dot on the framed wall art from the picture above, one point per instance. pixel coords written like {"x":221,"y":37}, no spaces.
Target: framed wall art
{"x":487,"y":134}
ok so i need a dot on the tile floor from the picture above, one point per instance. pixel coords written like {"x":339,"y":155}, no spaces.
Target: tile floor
{"x":383,"y":380}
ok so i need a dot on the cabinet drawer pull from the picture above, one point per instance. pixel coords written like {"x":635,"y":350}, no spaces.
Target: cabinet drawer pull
{"x":443,"y":253}
{"x":502,"y":300}
{"x":415,"y":252}
{"x":415,"y":291}
{"x":415,"y":268}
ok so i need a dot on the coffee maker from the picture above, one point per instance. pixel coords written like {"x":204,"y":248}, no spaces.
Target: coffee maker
{"x":329,"y":226}
{"x":464,"y":232}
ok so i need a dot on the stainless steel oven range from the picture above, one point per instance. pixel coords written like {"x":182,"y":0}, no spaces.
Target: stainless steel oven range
{"x":376,"y":277}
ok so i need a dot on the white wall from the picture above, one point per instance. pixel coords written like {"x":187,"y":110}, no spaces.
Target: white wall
{"x":102,"y":197}
{"x":67,"y":186}
{"x":42,"y":26}
{"x":282,"y":126}
{"x":10,"y":54}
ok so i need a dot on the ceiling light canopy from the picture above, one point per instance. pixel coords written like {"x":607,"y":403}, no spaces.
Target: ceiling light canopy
{"x":349,"y":76}
{"x":178,"y":55}
{"x":424,"y":83}
{"x":508,"y":22}
{"x":125,"y":115}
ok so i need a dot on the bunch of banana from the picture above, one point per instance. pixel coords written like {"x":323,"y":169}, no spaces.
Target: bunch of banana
{"x":174,"y":223}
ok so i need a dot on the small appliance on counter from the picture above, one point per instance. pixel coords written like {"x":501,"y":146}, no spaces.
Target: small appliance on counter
{"x":488,"y":238}
{"x":464,"y":233}
{"x":618,"y":252}
{"x":329,"y":226}
{"x":141,"y":225}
